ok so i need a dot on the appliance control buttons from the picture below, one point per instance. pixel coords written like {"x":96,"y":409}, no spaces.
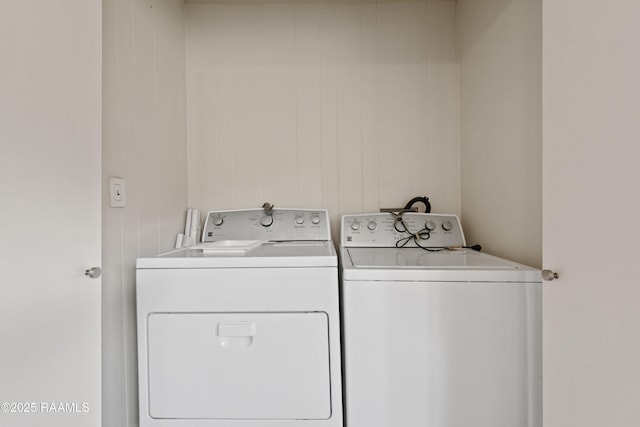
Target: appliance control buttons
{"x":430,"y":225}
{"x":217,"y":221}
{"x":315,"y":219}
{"x":266,"y":220}
{"x":355,"y":226}
{"x":372,"y":225}
{"x":447,"y":226}
{"x":299,"y":219}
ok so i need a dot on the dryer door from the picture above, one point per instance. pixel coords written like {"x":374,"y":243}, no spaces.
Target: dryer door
{"x":239,"y":365}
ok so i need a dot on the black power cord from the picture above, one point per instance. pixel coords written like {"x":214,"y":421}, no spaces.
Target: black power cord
{"x":423,"y":234}
{"x":400,"y":226}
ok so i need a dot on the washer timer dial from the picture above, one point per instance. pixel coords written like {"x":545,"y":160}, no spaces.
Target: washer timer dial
{"x":266,"y":220}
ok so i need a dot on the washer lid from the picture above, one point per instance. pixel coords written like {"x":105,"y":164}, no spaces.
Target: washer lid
{"x":419,"y":265}
{"x":266,"y":254}
{"x":420,"y":258}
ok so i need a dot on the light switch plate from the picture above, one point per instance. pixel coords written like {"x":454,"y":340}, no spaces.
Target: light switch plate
{"x":117,"y":192}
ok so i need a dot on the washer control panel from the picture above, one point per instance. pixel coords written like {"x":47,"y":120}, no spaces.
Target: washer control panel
{"x":274,"y":225}
{"x":408,"y":229}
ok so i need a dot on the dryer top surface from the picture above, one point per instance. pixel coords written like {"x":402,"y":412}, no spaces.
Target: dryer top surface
{"x":251,"y":255}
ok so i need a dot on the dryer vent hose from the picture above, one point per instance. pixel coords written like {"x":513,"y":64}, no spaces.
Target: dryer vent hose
{"x":424,"y":200}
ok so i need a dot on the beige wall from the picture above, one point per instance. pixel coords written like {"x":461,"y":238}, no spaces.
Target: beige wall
{"x":50,"y":139}
{"x":144,"y":141}
{"x":349,"y":107}
{"x":591,"y":210}
{"x":500,"y":47}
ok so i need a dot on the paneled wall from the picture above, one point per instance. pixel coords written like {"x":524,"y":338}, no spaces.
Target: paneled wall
{"x":144,"y":141}
{"x":346,"y":106}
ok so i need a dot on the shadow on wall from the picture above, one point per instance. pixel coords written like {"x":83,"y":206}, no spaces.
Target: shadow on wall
{"x":481,"y":15}
{"x":500,"y":85}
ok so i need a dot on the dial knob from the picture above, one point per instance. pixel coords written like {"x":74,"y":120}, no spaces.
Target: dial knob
{"x":217,"y":221}
{"x":266,"y":220}
{"x":299,"y":219}
{"x":315,"y":219}
{"x":372,"y":225}
{"x":355,"y":226}
{"x":447,"y":225}
{"x":430,"y":225}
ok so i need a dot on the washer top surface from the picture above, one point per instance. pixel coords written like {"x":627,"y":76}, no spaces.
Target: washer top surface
{"x":415,"y":264}
{"x":384,"y":247}
{"x":416,"y":258}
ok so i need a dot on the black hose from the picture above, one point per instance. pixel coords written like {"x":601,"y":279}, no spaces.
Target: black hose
{"x":424,"y":200}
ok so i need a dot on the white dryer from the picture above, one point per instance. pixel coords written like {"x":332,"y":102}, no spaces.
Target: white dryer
{"x":435,"y":334}
{"x":242,"y":330}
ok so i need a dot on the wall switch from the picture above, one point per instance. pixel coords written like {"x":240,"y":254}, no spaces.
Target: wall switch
{"x":117,"y":192}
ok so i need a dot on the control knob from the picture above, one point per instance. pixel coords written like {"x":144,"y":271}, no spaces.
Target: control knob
{"x":447,"y":225}
{"x":299,"y":219}
{"x":430,"y":225}
{"x":217,"y":221}
{"x":266,"y":220}
{"x":315,"y":219}
{"x":372,"y":225}
{"x":355,"y":226}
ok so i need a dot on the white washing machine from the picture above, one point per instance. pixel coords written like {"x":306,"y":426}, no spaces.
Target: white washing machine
{"x":242,"y":330}
{"x":435,"y":334}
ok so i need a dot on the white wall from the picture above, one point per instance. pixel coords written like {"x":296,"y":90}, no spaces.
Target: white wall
{"x":144,"y":141}
{"x":346,"y":106}
{"x":500,"y":48}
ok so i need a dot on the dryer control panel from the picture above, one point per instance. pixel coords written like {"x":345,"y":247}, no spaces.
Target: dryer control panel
{"x":272,"y":225}
{"x":407,"y":229}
